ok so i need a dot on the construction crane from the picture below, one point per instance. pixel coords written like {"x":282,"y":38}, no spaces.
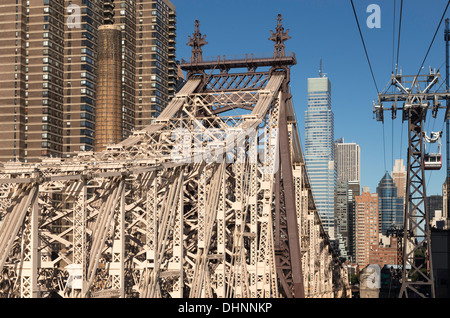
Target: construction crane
{"x":414,"y":96}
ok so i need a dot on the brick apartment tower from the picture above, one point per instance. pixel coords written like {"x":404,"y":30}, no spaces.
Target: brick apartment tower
{"x":48,"y":87}
{"x":32,"y":79}
{"x":156,"y":68}
{"x":80,"y":75}
{"x":12,"y":81}
{"x":366,"y":225}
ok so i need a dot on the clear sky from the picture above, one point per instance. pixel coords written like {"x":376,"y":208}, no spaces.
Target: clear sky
{"x":327,"y":30}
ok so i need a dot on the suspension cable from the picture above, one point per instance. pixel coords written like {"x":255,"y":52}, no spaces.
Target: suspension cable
{"x":399,"y":32}
{"x":364,"y":44}
{"x":393,"y":38}
{"x":432,"y":41}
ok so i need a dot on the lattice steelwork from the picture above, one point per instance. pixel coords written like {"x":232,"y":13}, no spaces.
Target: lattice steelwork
{"x":424,"y":94}
{"x":211,"y":200}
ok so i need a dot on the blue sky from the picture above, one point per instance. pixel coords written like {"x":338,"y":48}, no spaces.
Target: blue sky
{"x":326,"y":29}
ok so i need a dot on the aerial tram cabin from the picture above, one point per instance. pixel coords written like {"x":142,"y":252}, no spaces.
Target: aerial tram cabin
{"x":433,"y":161}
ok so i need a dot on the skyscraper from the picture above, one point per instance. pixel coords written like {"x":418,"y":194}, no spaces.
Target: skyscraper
{"x":341,"y":220}
{"x":31,"y":85}
{"x":366,"y":225}
{"x":390,"y":205}
{"x":49,"y":61}
{"x":156,"y":68}
{"x":348,"y":171}
{"x":80,"y":74}
{"x":319,"y":148}
{"x":399,"y":175}
{"x":149,"y":68}
{"x":354,"y":190}
{"x":348,"y":161}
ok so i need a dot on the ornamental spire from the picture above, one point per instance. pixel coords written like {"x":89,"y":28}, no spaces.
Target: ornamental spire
{"x":279,"y":37}
{"x":197,"y":41}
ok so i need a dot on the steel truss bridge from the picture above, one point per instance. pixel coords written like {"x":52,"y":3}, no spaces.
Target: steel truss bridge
{"x":210,"y":200}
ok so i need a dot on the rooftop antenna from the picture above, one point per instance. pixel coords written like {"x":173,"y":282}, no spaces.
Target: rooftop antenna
{"x":321,"y":73}
{"x":320,"y":69}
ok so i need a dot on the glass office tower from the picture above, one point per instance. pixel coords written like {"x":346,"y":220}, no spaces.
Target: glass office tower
{"x":319,"y":149}
{"x":390,"y":205}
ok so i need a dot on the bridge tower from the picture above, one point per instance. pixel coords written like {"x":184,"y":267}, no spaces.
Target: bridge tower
{"x":210,"y":200}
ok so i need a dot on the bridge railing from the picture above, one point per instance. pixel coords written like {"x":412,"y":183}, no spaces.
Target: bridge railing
{"x":238,"y":57}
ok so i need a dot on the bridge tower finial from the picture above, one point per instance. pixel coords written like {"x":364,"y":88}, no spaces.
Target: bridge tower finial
{"x":279,"y":37}
{"x":197,"y":41}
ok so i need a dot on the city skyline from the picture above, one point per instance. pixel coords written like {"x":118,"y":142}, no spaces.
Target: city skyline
{"x":380,"y":144}
{"x":141,"y":219}
{"x":138,"y":225}
{"x":344,"y":62}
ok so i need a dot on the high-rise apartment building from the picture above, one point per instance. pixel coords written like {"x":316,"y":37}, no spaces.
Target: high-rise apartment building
{"x":366,"y":225}
{"x":319,"y":149}
{"x":31,"y":85}
{"x":347,"y":157}
{"x":12,"y":82}
{"x":341,"y":219}
{"x":354,"y":190}
{"x":82,"y":20}
{"x":348,"y":160}
{"x":345,"y":206}
{"x":125,"y":16}
{"x":49,"y":61}
{"x":156,"y":68}
{"x":390,"y":205}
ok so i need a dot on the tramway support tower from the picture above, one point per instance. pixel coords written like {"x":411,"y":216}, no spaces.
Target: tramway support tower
{"x":210,"y":200}
{"x":414,"y":96}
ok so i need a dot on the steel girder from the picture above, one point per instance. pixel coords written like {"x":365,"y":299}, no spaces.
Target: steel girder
{"x":211,"y":200}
